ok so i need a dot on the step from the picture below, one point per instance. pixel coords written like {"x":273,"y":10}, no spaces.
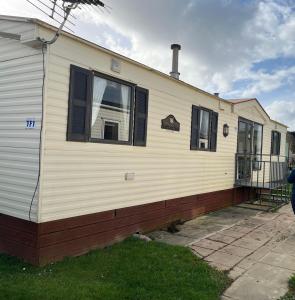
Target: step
{"x":274,"y":197}
{"x":255,"y":206}
{"x":274,"y":202}
{"x":272,"y":194}
{"x":265,"y":203}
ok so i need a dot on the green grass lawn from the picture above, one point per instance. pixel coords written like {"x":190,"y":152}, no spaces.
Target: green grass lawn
{"x":133,"y":269}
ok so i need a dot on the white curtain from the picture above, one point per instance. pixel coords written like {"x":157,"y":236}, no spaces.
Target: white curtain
{"x":99,"y":86}
{"x":204,"y":124}
{"x":125,"y":90}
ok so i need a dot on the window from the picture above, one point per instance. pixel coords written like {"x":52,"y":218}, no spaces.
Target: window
{"x":257,"y":139}
{"x":250,"y":141}
{"x":257,"y":146}
{"x":204,"y":129}
{"x":113,"y":94}
{"x":244,"y":138}
{"x":111,"y":131}
{"x":204,"y":125}
{"x":275,"y":143}
{"x":110,"y":100}
{"x":106,"y":109}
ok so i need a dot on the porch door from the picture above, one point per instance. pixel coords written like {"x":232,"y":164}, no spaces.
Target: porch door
{"x":245,"y":138}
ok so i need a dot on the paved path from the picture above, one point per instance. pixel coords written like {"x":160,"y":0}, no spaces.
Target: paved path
{"x":256,"y":248}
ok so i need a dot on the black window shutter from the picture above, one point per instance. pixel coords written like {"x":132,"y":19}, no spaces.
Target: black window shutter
{"x":213,"y":134}
{"x":140,"y":116}
{"x":195,"y":127}
{"x":79,"y":104}
{"x":275,"y":143}
{"x":272,"y":143}
{"x":279,"y":143}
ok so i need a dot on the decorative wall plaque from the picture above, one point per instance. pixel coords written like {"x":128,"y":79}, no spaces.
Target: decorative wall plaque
{"x":170,"y":123}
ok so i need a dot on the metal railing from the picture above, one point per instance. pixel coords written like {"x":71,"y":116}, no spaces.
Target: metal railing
{"x":261,"y":170}
{"x":265,"y":173}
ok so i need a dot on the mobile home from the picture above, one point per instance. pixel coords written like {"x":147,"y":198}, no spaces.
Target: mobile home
{"x":95,"y":146}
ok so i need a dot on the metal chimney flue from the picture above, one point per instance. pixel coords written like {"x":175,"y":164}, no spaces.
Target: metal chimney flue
{"x":175,"y":48}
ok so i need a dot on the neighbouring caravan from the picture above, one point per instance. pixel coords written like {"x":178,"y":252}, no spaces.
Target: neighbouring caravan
{"x":95,"y":146}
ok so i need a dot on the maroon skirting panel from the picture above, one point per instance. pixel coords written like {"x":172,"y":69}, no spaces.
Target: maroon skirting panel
{"x":51,"y":241}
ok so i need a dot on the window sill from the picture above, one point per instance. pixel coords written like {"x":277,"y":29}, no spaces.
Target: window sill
{"x":112,"y":142}
{"x":203,"y":150}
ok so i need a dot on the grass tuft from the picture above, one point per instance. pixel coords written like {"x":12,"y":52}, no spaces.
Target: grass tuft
{"x":291,"y":294}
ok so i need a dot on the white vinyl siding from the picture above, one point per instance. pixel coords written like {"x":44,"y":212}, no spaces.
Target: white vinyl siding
{"x":21,"y":73}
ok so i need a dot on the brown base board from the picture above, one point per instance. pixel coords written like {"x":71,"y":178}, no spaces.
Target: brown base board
{"x":46,"y":242}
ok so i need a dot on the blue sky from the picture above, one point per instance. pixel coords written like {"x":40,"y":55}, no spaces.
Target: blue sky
{"x":238,"y":48}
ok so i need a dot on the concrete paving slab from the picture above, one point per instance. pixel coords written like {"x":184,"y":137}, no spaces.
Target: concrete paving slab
{"x":285,"y":247}
{"x":191,"y":233}
{"x":235,"y":250}
{"x":225,"y":219}
{"x":205,"y":243}
{"x":166,"y":237}
{"x":246,"y":263}
{"x":259,"y":234}
{"x":223,"y":258}
{"x":242,"y":229}
{"x":227,"y":216}
{"x":236,"y":272}
{"x":236,"y":212}
{"x":249,"y":288}
{"x":252,"y":222}
{"x":287,"y":219}
{"x":197,"y":233}
{"x":203,"y":252}
{"x":262,"y":271}
{"x":265,"y":216}
{"x":219,"y":237}
{"x":248,"y":242}
{"x":261,"y":252}
{"x":198,"y":221}
{"x":286,"y":209}
{"x":202,"y":222}
{"x":291,"y":239}
{"x":279,"y":237}
{"x":232,"y":233}
{"x":281,"y":260}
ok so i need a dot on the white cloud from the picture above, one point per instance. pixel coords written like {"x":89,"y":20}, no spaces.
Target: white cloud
{"x":283,"y":111}
{"x":262,"y":81}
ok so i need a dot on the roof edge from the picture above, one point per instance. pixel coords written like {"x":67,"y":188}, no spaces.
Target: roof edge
{"x":239,"y":101}
{"x":19,"y":19}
